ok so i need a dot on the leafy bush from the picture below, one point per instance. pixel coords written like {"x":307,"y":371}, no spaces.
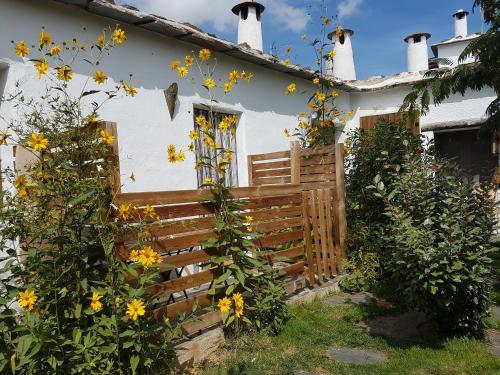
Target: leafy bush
{"x":364,"y":272}
{"x":438,"y":241}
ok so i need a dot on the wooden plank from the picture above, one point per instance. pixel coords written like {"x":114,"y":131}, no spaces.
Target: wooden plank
{"x":323,"y":150}
{"x":278,"y":225}
{"x":340,"y":182}
{"x":322,"y":232}
{"x":273,"y":180}
{"x":314,"y":215}
{"x":295,"y":162}
{"x":192,"y":327}
{"x":317,"y":160}
{"x":263,"y":203}
{"x":281,"y":164}
{"x":115,"y":180}
{"x":171,"y":311}
{"x":274,"y":240}
{"x":323,"y":177}
{"x":311,"y":169}
{"x":275,"y":213}
{"x":307,"y":237}
{"x":317,"y":185}
{"x":182,"y":283}
{"x":294,"y":269}
{"x":250,"y":170}
{"x":272,"y":173}
{"x":329,"y":230}
{"x":293,"y":252}
{"x":271,"y":155}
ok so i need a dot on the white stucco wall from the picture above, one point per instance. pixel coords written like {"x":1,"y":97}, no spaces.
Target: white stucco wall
{"x":144,"y":125}
{"x":452,"y":52}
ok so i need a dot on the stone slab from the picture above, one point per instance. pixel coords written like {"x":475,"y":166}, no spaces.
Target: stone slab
{"x":494,"y":339}
{"x":401,"y":327}
{"x":495,"y":312}
{"x":337,"y":301}
{"x":357,"y":356}
{"x":363,"y":298}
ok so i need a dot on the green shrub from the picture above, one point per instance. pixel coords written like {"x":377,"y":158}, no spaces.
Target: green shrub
{"x":438,"y":241}
{"x":364,"y":272}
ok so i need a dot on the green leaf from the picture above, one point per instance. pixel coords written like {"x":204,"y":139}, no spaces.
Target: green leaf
{"x":134,"y":362}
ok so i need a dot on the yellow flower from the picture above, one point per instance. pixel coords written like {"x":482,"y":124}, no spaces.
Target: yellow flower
{"x":134,"y":255}
{"x":149,"y":211}
{"x":320,"y":96}
{"x":198,"y":165}
{"x":106,"y":137}
{"x":316,"y":81}
{"x":335,"y":93}
{"x":326,"y":21}
{"x":249,"y":229}
{"x":56,"y":50}
{"x":246,"y":76}
{"x":172,"y":158}
{"x":223,"y":126}
{"x":249,"y":219}
{"x":191,"y":146}
{"x":205,"y":54}
{"x":64,"y":73}
{"x":303,"y":113}
{"x":174,"y":64}
{"x":45,"y":39}
{"x":181,"y":156}
{"x":193,"y":134}
{"x":125,"y":211}
{"x":234,"y":76}
{"x":303,"y":37}
{"x":148,"y":257}
{"x":287,"y":62}
{"x":37,"y":142}
{"x":188,"y":60}
{"x":238,"y":299}
{"x":303,"y":124}
{"x":182,"y":71}
{"x":343,"y":120}
{"x":331,"y":54}
{"x":201,"y":120}
{"x":4,"y":136}
{"x":22,"y":186}
{"x":292,"y":87}
{"x":207,"y":181}
{"x":119,"y":36}
{"x":91,"y":120}
{"x":210,"y":83}
{"x":129,"y":89}
{"x":95,"y":303}
{"x":101,"y":41}
{"x":288,"y":50}
{"x":135,"y":309}
{"x":313,"y":106}
{"x":350,"y":113}
{"x":22,"y":49}
{"x":228,"y":86}
{"x":286,"y":132}
{"x":27,"y":299}
{"x":42,"y":66}
{"x":171,"y":149}
{"x":100,"y":77}
{"x":238,"y":311}
{"x":224,"y":305}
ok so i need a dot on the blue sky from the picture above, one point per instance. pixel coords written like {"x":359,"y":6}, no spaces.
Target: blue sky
{"x":379,"y":25}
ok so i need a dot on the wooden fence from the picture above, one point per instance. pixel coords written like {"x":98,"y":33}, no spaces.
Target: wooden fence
{"x":187,"y":220}
{"x":320,"y":173}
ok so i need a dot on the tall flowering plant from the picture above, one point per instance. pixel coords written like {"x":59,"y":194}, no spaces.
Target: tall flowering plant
{"x":324,"y":121}
{"x":67,"y":305}
{"x":247,"y":290}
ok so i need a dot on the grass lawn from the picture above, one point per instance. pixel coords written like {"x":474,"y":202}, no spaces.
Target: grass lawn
{"x":314,"y":327}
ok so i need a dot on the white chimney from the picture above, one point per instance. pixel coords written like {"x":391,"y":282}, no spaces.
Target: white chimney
{"x":418,"y":54}
{"x":342,"y":65}
{"x":460,"y":23}
{"x":249,"y":26}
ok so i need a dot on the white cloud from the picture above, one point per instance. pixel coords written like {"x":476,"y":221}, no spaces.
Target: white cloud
{"x":217,"y":13}
{"x":348,"y":8}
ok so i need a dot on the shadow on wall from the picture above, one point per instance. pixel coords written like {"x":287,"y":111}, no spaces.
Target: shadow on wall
{"x":145,"y":54}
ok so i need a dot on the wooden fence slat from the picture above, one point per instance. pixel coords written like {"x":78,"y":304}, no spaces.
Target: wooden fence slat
{"x":314,"y":214}
{"x":307,"y":234}
{"x":318,"y":177}
{"x":329,"y":230}
{"x":282,"y":164}
{"x":322,"y":231}
{"x":271,"y":155}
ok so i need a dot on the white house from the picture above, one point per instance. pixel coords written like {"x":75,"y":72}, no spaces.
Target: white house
{"x":144,"y":124}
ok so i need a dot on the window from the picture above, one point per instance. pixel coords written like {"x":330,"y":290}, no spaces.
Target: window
{"x":223,"y":140}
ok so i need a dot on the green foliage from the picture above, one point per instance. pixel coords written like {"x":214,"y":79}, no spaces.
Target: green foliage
{"x":482,"y":73}
{"x":438,"y":242}
{"x":377,"y":151}
{"x":363,"y":272}
{"x":57,"y":231}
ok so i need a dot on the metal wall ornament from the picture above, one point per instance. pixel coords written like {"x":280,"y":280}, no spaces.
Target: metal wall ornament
{"x":171,"y":97}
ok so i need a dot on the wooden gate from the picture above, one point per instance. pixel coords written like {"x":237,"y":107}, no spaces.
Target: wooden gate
{"x":320,"y":174}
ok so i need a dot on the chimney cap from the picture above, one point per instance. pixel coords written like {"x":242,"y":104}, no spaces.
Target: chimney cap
{"x":346,"y":31}
{"x":236,"y":9}
{"x":427,"y":36}
{"x":459,"y":12}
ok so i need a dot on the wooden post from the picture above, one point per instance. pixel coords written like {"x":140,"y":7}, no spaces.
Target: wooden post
{"x":250,"y":170}
{"x":340,"y":182}
{"x":295,"y":162}
{"x":313,"y":194}
{"x":307,"y":237}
